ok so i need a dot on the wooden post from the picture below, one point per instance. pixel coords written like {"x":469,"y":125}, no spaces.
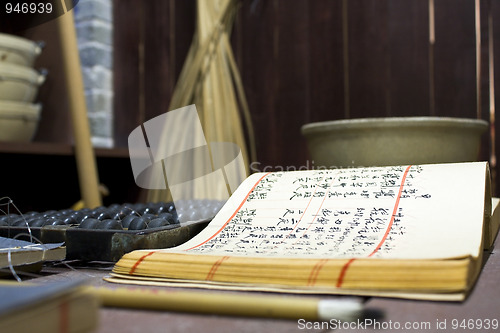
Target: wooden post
{"x":84,"y":153}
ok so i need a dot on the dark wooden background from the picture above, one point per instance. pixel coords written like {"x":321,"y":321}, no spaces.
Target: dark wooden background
{"x":301,"y":61}
{"x":313,"y":60}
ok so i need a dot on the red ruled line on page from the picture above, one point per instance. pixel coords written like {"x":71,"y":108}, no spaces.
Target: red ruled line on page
{"x":315,"y":216}
{"x":315,"y":271}
{"x":304,"y":213}
{"x":343,"y":272}
{"x":215,"y":267}
{"x":234,"y":214}
{"x":132,"y":270}
{"x":313,"y":276}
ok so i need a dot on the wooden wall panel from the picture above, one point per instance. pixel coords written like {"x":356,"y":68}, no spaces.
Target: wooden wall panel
{"x":151,"y":40}
{"x":303,"y":61}
{"x":368,"y":69}
{"x":166,"y":40}
{"x":408,"y":29}
{"x":455,"y":58}
{"x":388,"y":58}
{"x":293,"y":81}
{"x":291,"y":63}
{"x":156,"y":84}
{"x":256,"y":35}
{"x":126,"y":39}
{"x":326,"y":60}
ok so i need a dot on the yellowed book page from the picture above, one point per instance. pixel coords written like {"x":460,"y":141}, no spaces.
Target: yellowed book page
{"x":422,"y":211}
{"x":162,"y":282}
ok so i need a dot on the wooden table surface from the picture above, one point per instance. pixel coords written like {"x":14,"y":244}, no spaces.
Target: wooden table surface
{"x":423,"y":316}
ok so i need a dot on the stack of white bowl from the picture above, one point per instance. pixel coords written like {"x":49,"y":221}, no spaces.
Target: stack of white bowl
{"x":19,"y":84}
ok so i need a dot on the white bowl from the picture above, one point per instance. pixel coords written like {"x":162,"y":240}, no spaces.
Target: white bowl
{"x":18,"y":50}
{"x":19,"y":83}
{"x":18,"y":121}
{"x":394,"y":141}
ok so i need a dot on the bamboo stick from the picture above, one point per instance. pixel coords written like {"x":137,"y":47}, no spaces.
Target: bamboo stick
{"x":84,"y":153}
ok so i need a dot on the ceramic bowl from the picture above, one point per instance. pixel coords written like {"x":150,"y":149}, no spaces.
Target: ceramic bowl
{"x":19,"y":83}
{"x":18,"y":121}
{"x":18,"y":50}
{"x":393,"y":141}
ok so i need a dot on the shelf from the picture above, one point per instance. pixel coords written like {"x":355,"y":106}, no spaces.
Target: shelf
{"x":40,"y":176}
{"x":46,"y":148}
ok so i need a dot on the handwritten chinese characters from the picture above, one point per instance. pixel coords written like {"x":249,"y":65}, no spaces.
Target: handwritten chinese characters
{"x":344,"y":213}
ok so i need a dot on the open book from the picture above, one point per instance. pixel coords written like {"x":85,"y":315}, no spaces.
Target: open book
{"x":401,"y":231}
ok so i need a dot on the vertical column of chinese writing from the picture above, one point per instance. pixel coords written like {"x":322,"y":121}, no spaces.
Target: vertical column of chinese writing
{"x":370,"y":195}
{"x":248,"y":231}
{"x":264,"y":187}
{"x":410,"y":192}
{"x":233,"y":238}
{"x":340,"y":216}
{"x":358,"y":212}
{"x":282,"y":218}
{"x":310,"y":194}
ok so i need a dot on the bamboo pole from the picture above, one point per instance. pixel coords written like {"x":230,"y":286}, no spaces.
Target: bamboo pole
{"x":84,"y":153}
